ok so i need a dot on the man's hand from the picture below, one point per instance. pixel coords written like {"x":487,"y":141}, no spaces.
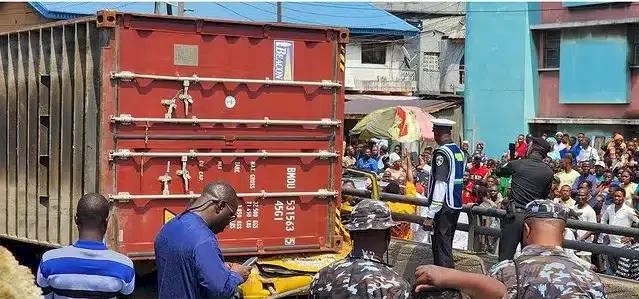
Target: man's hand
{"x":239,"y":269}
{"x":428,"y":224}
{"x":430,"y":276}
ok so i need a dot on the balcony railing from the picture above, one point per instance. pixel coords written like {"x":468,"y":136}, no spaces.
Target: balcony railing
{"x":380,"y":79}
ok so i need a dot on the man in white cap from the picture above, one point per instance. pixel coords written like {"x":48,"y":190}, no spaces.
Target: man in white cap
{"x":444,"y":192}
{"x":560,"y":145}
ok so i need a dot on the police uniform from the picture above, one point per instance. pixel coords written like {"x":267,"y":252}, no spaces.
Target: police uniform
{"x":362,"y":274}
{"x":445,"y":196}
{"x":531,"y":180}
{"x":547,"y":272}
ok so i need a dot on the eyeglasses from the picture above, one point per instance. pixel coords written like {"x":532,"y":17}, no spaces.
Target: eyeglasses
{"x":233,"y":212}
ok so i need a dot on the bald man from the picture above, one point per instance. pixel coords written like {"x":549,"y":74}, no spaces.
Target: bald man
{"x":189,"y":259}
{"x":87,"y":269}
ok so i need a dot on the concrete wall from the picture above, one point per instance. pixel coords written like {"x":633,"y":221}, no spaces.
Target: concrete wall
{"x":16,"y":15}
{"x":554,"y":12}
{"x":549,"y":105}
{"x":501,"y":76}
{"x":393,"y":74}
{"x":446,"y":79}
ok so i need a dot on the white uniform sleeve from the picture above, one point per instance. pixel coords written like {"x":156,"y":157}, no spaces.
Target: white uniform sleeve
{"x":439,"y":193}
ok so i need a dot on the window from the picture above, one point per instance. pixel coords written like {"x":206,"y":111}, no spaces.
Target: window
{"x":551,"y":48}
{"x":430,"y":62}
{"x":374,"y":53}
{"x":634,"y":44}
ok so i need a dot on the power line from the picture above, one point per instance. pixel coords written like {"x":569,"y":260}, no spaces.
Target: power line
{"x":362,"y":8}
{"x":235,"y":12}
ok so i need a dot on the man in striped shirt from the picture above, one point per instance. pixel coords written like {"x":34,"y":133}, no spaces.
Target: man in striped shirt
{"x":87,"y":269}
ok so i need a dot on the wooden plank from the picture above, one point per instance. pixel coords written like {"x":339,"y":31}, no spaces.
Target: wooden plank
{"x":54,"y":136}
{"x":21,"y":135}
{"x":32,"y":136}
{"x":66,"y":135}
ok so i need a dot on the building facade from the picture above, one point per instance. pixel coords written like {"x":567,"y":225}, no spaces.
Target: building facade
{"x":548,"y":67}
{"x":378,"y":65}
{"x":437,"y":55}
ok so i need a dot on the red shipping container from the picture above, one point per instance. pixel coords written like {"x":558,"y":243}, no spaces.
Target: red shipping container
{"x":182,"y":102}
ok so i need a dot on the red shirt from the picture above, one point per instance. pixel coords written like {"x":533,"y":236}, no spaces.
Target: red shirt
{"x":475,"y":174}
{"x":521,"y":150}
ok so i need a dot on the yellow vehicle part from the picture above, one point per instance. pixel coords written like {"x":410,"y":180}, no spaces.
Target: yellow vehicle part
{"x":301,"y":266}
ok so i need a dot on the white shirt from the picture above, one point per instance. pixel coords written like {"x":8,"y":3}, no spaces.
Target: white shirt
{"x":587,"y":154}
{"x":625,"y":216}
{"x":587,"y":215}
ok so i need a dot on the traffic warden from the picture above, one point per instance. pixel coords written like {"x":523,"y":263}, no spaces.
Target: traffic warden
{"x":544,"y":269}
{"x":363,"y":273}
{"x":531,"y":180}
{"x":445,"y":192}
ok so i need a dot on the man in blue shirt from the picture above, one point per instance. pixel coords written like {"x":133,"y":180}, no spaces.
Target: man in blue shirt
{"x":586,"y":176}
{"x":367,"y":162}
{"x":188,"y":256}
{"x":87,"y":269}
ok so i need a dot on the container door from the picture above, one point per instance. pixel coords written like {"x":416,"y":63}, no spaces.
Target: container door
{"x":258,"y":107}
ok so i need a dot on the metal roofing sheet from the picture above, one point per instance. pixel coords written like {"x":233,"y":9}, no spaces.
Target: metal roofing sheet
{"x":363,"y":107}
{"x":358,"y":17}
{"x":452,"y":26}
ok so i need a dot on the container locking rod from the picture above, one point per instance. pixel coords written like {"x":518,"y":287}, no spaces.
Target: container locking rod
{"x":125,"y":196}
{"x":127,"y":119}
{"x":124,"y":153}
{"x":128,"y":76}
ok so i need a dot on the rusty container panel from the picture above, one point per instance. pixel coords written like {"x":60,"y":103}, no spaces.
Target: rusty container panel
{"x":258,"y":105}
{"x":49,"y":95}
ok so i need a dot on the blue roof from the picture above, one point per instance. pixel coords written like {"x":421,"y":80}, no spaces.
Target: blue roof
{"x":358,"y":17}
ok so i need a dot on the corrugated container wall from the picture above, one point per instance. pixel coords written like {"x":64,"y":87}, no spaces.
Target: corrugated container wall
{"x":49,"y":99}
{"x":148,"y":109}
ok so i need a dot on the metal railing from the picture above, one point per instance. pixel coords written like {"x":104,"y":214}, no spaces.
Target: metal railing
{"x":474,"y":228}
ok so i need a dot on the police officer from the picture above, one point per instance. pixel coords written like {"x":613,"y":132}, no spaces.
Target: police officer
{"x":363,"y":273}
{"x":544,"y":269}
{"x":531,"y":180}
{"x":444,"y":192}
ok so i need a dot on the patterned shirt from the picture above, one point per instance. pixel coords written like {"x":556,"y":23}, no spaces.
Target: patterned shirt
{"x":360,"y":275}
{"x":547,"y":273}
{"x":627,"y":267}
{"x":86,"y":269}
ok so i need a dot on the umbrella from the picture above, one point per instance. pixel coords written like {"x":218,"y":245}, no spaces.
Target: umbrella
{"x":399,"y":123}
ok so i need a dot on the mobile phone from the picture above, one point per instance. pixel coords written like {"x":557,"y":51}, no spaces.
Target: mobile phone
{"x":250,"y":262}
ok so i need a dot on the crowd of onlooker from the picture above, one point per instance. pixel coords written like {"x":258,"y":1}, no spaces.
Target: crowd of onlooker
{"x":598,"y":184}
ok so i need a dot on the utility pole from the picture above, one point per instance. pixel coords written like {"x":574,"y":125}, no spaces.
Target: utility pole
{"x":169,"y":9}
{"x":180,"y":9}
{"x":279,"y":11}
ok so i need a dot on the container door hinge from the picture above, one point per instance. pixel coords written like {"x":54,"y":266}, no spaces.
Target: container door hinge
{"x":120,"y":154}
{"x":125,"y":119}
{"x":121,"y":197}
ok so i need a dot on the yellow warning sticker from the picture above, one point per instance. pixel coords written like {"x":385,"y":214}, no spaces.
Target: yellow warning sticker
{"x":168,"y":215}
